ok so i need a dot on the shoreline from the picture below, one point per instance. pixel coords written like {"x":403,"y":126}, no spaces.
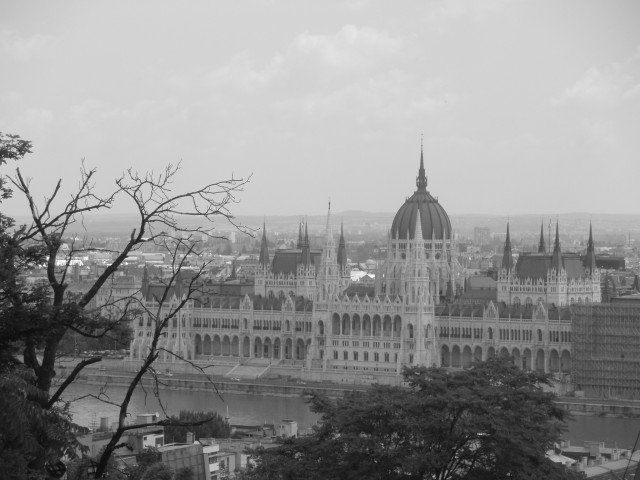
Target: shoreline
{"x":289,"y":387}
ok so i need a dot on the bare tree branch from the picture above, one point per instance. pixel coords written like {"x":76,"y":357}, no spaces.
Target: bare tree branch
{"x":70,"y":378}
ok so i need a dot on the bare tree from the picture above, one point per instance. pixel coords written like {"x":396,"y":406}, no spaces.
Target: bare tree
{"x":161,"y":212}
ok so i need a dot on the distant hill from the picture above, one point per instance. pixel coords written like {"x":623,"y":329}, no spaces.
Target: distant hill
{"x":114,"y":224}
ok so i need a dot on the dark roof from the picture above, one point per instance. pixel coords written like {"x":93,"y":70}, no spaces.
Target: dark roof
{"x":287,"y":260}
{"x":477,"y":282}
{"x":232,"y":302}
{"x":536,"y":265}
{"x":479,"y":295}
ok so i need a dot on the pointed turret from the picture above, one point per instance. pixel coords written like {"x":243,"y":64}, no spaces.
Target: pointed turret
{"x":328,"y":230}
{"x":590,"y":258}
{"x":421,"y":180}
{"x":556,"y":260}
{"x":507,"y":256}
{"x":264,"y":248}
{"x":450,"y":294}
{"x":342,"y":249}
{"x":417,"y":235}
{"x":233,"y":275}
{"x":541,"y":246}
{"x":306,"y":248}
{"x":299,"y":244}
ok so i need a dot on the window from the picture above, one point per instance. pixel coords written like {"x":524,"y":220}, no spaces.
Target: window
{"x":335,"y":354}
{"x":355,"y":356}
{"x":366,"y":356}
{"x":376,"y":357}
{"x":345,"y":355}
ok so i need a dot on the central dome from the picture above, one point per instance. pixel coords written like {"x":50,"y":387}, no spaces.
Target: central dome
{"x":435,"y":221}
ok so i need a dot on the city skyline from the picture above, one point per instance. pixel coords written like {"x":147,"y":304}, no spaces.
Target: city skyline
{"x":525,"y":106}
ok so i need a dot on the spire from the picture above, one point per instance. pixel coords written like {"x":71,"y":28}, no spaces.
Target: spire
{"x":329,"y":232}
{"x":264,"y":249}
{"x":556,"y":244}
{"x":590,"y":246}
{"x":541,"y":246}
{"x":450,"y":294}
{"x":417,"y":235}
{"x":299,"y":244}
{"x":590,"y":258}
{"x":421,"y":180}
{"x":556,"y":260}
{"x":306,"y":250}
{"x":342,"y":249}
{"x":507,"y":257}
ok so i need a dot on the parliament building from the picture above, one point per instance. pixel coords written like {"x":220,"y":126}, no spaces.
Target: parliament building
{"x":302,"y":316}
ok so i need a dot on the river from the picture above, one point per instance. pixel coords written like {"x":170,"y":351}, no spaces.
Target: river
{"x":257,"y":409}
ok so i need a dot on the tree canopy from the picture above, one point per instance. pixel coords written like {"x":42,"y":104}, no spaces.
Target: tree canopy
{"x":202,"y":424}
{"x":487,"y":422}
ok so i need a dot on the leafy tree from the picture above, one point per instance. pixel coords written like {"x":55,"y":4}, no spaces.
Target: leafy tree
{"x":487,"y":422}
{"x":184,"y":473}
{"x":158,"y":471}
{"x":203,"y":425}
{"x":35,"y":319}
{"x":148,"y":456}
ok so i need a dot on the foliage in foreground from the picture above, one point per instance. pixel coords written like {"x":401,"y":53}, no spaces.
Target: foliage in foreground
{"x":491,"y":421}
{"x":39,"y":321}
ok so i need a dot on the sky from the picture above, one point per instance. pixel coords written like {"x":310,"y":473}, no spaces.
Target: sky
{"x":524,"y":106}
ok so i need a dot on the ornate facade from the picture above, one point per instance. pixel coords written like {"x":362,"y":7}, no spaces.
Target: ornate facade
{"x":305,"y":318}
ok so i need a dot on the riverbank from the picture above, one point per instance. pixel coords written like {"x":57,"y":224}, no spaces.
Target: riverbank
{"x":279,"y":387}
{"x":117,"y":374}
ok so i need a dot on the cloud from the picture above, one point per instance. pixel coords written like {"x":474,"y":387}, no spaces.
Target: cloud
{"x":355,"y":74}
{"x":440,"y":15}
{"x":23,"y":49}
{"x":37,"y":117}
{"x":308,"y":58}
{"x":349,"y":48}
{"x":383,"y":97}
{"x":241,"y":73}
{"x":608,"y":87}
{"x":600,"y":134}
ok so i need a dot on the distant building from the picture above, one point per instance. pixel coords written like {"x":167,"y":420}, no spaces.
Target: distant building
{"x":200,"y":457}
{"x":551,"y":278}
{"x":481,"y":235}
